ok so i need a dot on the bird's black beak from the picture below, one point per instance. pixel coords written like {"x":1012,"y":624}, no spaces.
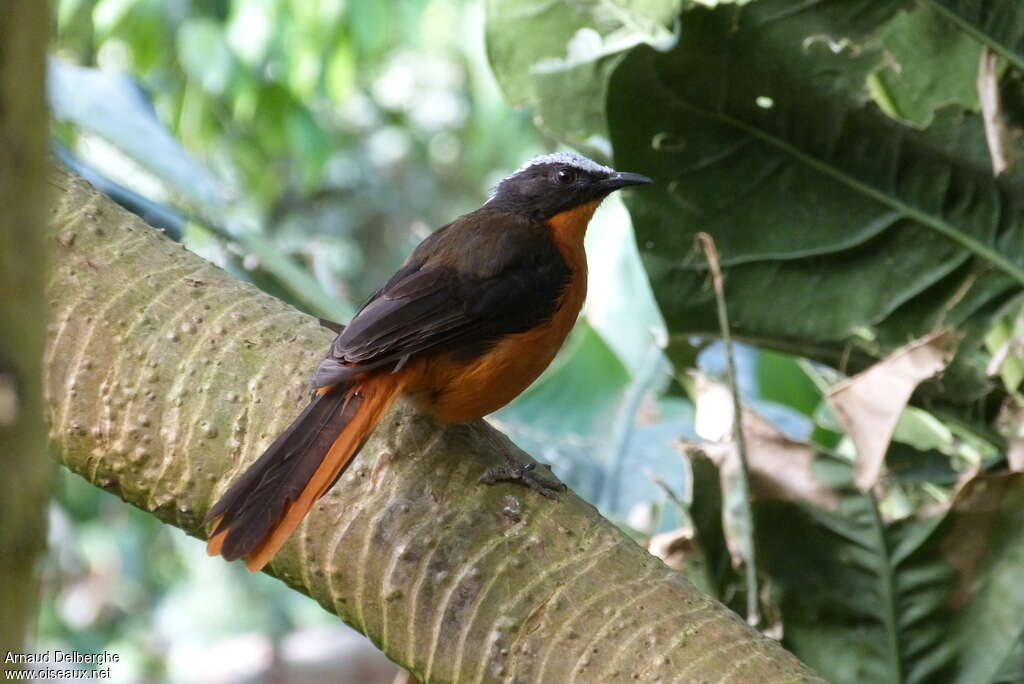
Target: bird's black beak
{"x":621,"y":179}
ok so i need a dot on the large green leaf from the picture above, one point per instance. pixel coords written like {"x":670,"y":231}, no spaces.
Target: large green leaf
{"x":929,"y":63}
{"x":620,"y":291}
{"x":839,"y":227}
{"x":112,"y":106}
{"x":555,"y":57}
{"x":930,"y":599}
{"x":996,"y":23}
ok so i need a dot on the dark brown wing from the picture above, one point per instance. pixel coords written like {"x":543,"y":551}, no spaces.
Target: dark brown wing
{"x":486,"y":275}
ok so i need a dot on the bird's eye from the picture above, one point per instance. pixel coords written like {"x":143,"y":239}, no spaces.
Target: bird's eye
{"x":566,"y":176}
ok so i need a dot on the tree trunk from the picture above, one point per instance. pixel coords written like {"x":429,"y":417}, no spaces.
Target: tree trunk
{"x":24,"y":27}
{"x":167,"y":377}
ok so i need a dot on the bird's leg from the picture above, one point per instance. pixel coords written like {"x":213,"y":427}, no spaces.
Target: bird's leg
{"x":523,"y":473}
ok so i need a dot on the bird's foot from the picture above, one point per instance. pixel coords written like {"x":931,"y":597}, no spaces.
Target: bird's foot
{"x":523,"y":473}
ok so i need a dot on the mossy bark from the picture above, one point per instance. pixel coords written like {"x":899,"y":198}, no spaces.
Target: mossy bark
{"x":26,"y":470}
{"x":166,"y":377}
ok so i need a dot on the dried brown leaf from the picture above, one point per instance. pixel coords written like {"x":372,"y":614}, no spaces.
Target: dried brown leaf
{"x":675,"y":547}
{"x":1010,"y":424}
{"x":869,"y":404}
{"x":975,"y":510}
{"x":1015,"y":454}
{"x":998,"y":134}
{"x":780,"y":467}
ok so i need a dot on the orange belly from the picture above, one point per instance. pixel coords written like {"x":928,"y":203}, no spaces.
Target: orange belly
{"x":457,"y":391}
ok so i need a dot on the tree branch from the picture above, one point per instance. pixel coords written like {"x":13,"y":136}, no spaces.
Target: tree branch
{"x":166,"y":377}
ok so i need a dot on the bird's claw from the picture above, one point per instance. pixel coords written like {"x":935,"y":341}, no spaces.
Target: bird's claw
{"x":523,"y":473}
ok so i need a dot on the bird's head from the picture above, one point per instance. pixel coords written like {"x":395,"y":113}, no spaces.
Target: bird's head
{"x":554,"y":183}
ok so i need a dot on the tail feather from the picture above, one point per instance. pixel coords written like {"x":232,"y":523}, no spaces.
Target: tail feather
{"x":259,"y":512}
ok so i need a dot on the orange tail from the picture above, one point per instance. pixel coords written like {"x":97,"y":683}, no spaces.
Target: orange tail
{"x":261,"y":509}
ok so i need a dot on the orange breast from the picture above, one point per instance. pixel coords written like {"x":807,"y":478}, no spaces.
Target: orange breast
{"x":457,"y":391}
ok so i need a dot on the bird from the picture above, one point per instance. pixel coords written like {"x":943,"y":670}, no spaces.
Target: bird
{"x":472,"y":318}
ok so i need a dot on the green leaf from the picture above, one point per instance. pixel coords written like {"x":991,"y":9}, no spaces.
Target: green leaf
{"x":781,"y":378}
{"x":929,"y":63}
{"x":1003,"y":341}
{"x":621,"y":445}
{"x":931,"y":599}
{"x":556,"y":57}
{"x":249,"y":29}
{"x":622,"y":292}
{"x":113,"y":107}
{"x":999,"y":24}
{"x":923,"y":431}
{"x":650,"y":450}
{"x":108,"y":13}
{"x":205,"y":55}
{"x":365,"y":20}
{"x":706,"y":509}
{"x":843,"y":233}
